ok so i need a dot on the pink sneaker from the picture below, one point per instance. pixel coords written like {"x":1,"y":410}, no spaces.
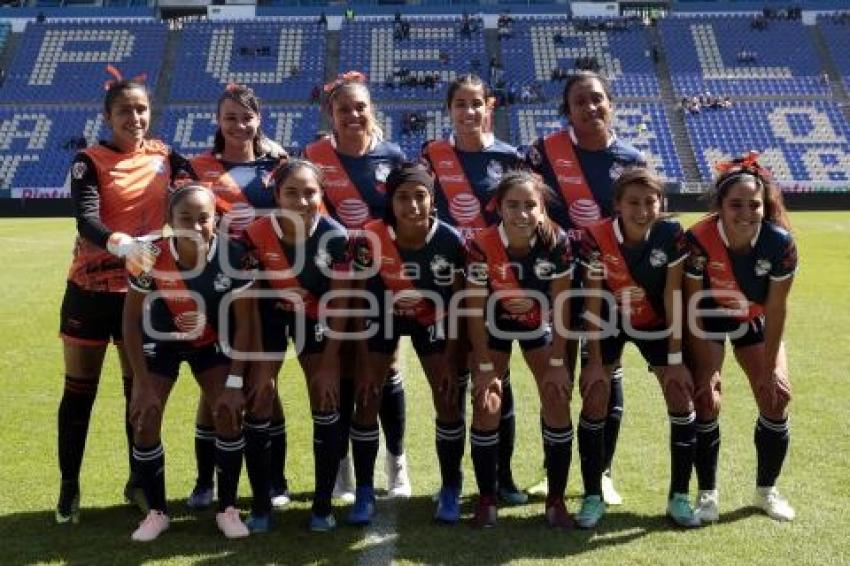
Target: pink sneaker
{"x":151,"y":527}
{"x":231,"y":524}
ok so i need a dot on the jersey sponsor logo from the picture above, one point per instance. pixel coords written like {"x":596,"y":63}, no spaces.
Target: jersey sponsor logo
{"x":657,"y":258}
{"x":78,"y":171}
{"x":762,"y":267}
{"x":446,"y":163}
{"x":564,"y":162}
{"x":222,"y":283}
{"x":464,"y":207}
{"x":452,"y":178}
{"x":494,"y":170}
{"x":353,"y":212}
{"x":584,"y":211}
{"x":382,"y":171}
{"x":569,"y":180}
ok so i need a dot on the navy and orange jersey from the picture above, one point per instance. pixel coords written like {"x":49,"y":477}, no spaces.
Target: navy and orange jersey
{"x":304,"y":269}
{"x":483,"y":170}
{"x":645,"y":263}
{"x":600,"y":168}
{"x":433,"y":268}
{"x":114,"y":191}
{"x":772,"y":257}
{"x":534,"y":271}
{"x":367,"y":173}
{"x":209,"y":282}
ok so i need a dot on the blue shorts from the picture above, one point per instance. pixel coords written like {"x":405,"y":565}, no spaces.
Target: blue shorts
{"x":726,"y":326}
{"x":164,"y":358}
{"x":426,"y":340}
{"x":90,"y":318}
{"x":528,"y":338}
{"x":279,"y":326}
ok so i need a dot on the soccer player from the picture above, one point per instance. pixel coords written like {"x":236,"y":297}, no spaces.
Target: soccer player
{"x":581,"y":162}
{"x":172,"y":314}
{"x":468,"y":166}
{"x":237,"y":168}
{"x":742,"y":261}
{"x":356,"y":161}
{"x":637,"y":259}
{"x":515,"y":271}
{"x":118,"y":189}
{"x":302,"y":255}
{"x":417,"y":262}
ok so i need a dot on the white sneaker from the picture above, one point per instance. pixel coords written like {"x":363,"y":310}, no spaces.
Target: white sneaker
{"x":706,"y":507}
{"x":771,"y":502}
{"x":230,"y":523}
{"x":398,"y":483}
{"x":151,"y":526}
{"x":609,"y":492}
{"x":344,"y":486}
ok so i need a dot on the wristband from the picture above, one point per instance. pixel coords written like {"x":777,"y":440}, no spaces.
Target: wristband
{"x":556,"y":362}
{"x":486,"y":366}
{"x":234,"y":382}
{"x":674,"y":358}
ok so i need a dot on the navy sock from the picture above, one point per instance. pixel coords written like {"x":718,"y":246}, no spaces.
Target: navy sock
{"x":127,"y":383}
{"x":257,"y":464}
{"x":591,"y":449}
{"x":706,"y":454}
{"x":451,"y":438}
{"x":346,"y":410}
{"x":326,"y":457}
{"x":615,"y":416}
{"x":507,"y":434}
{"x":392,"y":414}
{"x":682,"y":445}
{"x":205,"y":454}
{"x":772,"y":439}
{"x":228,"y":464}
{"x":277,"y":455}
{"x":149,"y":464}
{"x":485,"y":459}
{"x":364,"y":449}
{"x":73,"y":425}
{"x":558,"y":444}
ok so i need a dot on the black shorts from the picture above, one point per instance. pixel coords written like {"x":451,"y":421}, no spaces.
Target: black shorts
{"x":653,"y":351}
{"x":164,"y":358}
{"x":426,"y":340}
{"x":529,"y":339}
{"x":741,"y":334}
{"x":90,"y":318}
{"x":279,"y":326}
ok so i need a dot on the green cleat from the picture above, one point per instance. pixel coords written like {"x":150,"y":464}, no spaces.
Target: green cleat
{"x":680,"y":511}
{"x":592,"y":510}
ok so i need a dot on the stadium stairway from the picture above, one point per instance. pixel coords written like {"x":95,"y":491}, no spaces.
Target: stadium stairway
{"x":836,"y":81}
{"x":332,"y":47}
{"x":163,"y":88}
{"x":9,"y":50}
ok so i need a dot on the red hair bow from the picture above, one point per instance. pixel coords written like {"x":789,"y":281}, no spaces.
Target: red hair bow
{"x":112,"y":70}
{"x":748,"y":162}
{"x":233,"y":87}
{"x":345,"y":78}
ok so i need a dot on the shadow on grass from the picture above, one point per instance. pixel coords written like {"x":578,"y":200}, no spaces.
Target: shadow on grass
{"x":403,"y":530}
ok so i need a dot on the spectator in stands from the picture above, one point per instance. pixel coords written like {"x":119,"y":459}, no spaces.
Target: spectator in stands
{"x":118,"y":189}
{"x":349,"y":15}
{"x":357,"y":160}
{"x":587,"y":151}
{"x":482,"y":159}
{"x":40,"y":18}
{"x":236,"y":168}
{"x":323,"y":20}
{"x":316,"y":94}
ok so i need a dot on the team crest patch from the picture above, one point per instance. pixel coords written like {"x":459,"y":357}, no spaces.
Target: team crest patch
{"x":762,"y":267}
{"x":698,"y":262}
{"x":144,"y":281}
{"x":615,"y":171}
{"x":222,"y":283}
{"x":323,"y":258}
{"x":363,"y":255}
{"x":382,"y":171}
{"x":494,"y":170}
{"x":158,"y":165}
{"x":78,"y":171}
{"x":543,"y":269}
{"x":440,"y":265}
{"x":657,"y":258}
{"x":534,"y":156}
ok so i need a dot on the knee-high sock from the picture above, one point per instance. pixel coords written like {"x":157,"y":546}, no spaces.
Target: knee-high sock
{"x":149,"y":465}
{"x":706,"y":453}
{"x":364,"y":449}
{"x":228,"y":464}
{"x":346,"y":410}
{"x":392,"y":414}
{"x":450,"y":439}
{"x":277,"y":454}
{"x":615,"y":416}
{"x":682,"y":450}
{"x":558,"y":444}
{"x":205,"y":455}
{"x":591,"y":449}
{"x":73,"y":425}
{"x":485,"y":459}
{"x":326,"y":457}
{"x":507,"y":433}
{"x":772,"y":439}
{"x":257,"y":463}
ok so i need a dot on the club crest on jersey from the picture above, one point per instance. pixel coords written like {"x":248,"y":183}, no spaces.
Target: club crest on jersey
{"x":440,"y":265}
{"x":158,"y":165}
{"x":145,"y":281}
{"x":534,"y":156}
{"x":363,"y":255}
{"x":657,"y":258}
{"x":543,"y":269}
{"x":762,"y":267}
{"x":382,"y":171}
{"x":495,"y":171}
{"x":323,"y":258}
{"x":698,"y":262}
{"x":78,"y":171}
{"x":615,"y":171}
{"x":222,"y":283}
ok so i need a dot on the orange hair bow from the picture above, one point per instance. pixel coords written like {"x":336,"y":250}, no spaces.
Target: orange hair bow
{"x":112,"y":70}
{"x":748,"y":162}
{"x":233,"y":87}
{"x":345,"y":78}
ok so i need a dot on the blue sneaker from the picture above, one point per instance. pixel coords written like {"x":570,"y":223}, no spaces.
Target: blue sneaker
{"x":322,"y":524}
{"x":201,"y":497}
{"x":448,"y":505}
{"x":364,"y":506}
{"x":258,"y":523}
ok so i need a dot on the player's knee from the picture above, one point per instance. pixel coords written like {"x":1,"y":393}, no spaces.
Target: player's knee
{"x":146,"y":418}
{"x":260,"y":400}
{"x":773,"y":399}
{"x":595,"y":400}
{"x":228,"y":422}
{"x":679,"y":396}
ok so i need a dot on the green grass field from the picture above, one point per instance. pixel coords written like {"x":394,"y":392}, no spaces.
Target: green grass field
{"x":37,"y":252}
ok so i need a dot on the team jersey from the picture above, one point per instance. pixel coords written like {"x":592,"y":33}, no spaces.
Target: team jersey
{"x":354,"y":186}
{"x":239,"y":188}
{"x":114,"y":191}
{"x":304,"y":269}
{"x":433,"y":268}
{"x":175,"y":312}
{"x":599,"y":168}
{"x":772,"y":257}
{"x":482,"y":171}
{"x":489,"y":263}
{"x":638,"y":273}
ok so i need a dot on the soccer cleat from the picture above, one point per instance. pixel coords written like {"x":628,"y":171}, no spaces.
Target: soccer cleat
{"x":135,"y":495}
{"x":540,"y":489}
{"x":557,"y":516}
{"x":344,"y":486}
{"x":258,"y":524}
{"x":448,"y":505}
{"x":509,"y":493}
{"x":322,"y":524}
{"x":771,"y":502}
{"x":609,"y":492}
{"x":485,"y":512}
{"x":231,"y":524}
{"x":280,"y":497}
{"x":680,"y":511}
{"x":398,"y":483}
{"x":364,"y":506}
{"x":151,"y":526}
{"x":592,"y":510}
{"x":68,"y":507}
{"x":706,"y":507}
{"x":201,"y":497}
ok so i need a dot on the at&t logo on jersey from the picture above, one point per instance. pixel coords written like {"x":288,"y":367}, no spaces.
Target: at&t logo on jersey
{"x":464,"y":207}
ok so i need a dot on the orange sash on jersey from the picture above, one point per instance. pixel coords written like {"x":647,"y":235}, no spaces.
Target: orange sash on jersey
{"x":394,"y":277}
{"x":263,"y":236}
{"x":721,"y":277}
{"x":463,"y":204}
{"x":501,"y":275}
{"x":226,"y":190}
{"x":619,"y":279}
{"x":168,"y":278}
{"x":350,"y":207}
{"x":581,"y":205}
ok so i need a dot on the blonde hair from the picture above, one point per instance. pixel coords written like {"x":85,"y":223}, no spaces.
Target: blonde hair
{"x":350,"y":87}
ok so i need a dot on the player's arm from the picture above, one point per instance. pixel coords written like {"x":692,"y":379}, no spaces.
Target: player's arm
{"x":85,"y":199}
